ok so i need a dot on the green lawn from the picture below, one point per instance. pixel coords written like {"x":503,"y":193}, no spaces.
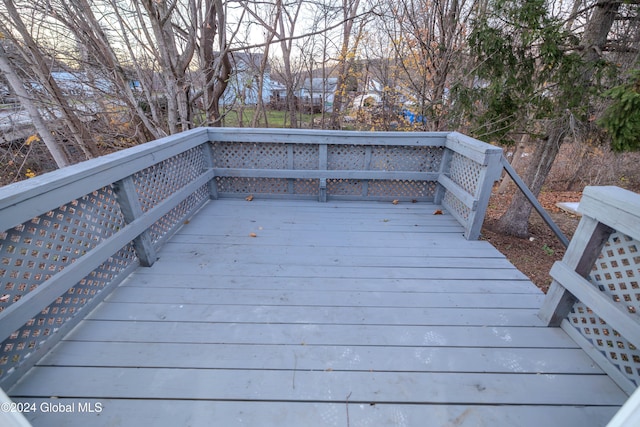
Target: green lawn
{"x":275,"y":118}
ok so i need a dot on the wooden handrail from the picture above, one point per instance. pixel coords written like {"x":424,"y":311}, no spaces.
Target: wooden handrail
{"x":534,"y":201}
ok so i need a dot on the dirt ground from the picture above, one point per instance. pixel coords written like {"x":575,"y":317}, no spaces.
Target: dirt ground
{"x":533,"y":256}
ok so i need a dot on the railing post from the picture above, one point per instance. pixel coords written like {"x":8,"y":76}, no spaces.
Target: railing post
{"x":488,"y":176}
{"x":322,"y":165}
{"x":582,"y":253}
{"x":208,"y":158}
{"x":127,"y":195}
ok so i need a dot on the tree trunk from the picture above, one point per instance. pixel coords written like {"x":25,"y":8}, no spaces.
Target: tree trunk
{"x":516,"y":161}
{"x":260,"y":109}
{"x":173,"y":60}
{"x":217,"y":73}
{"x":56,"y":150}
{"x":349,"y":10}
{"x":39,"y":66}
{"x":82,"y":22}
{"x":288,"y":75}
{"x":515,"y":221}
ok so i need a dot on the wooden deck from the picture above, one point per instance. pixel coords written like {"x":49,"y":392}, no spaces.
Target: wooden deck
{"x":334,"y":314}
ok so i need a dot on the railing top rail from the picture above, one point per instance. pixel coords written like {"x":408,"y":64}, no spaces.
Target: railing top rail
{"x":614,"y":206}
{"x":40,"y":194}
{"x":472,"y":148}
{"x":321,"y":136}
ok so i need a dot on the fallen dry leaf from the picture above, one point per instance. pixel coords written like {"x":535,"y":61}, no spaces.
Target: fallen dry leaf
{"x":249,"y":198}
{"x":253,"y":235}
{"x":438,"y":212}
{"x":396,"y":201}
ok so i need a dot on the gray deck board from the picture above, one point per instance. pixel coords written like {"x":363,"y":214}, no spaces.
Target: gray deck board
{"x":340,"y":313}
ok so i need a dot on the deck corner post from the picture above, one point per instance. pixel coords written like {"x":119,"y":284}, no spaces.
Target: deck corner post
{"x":489,"y":174}
{"x":585,"y":247}
{"x":125,"y":190}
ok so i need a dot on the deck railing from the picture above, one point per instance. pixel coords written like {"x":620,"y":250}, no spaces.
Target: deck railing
{"x":595,"y":295}
{"x":68,"y":237}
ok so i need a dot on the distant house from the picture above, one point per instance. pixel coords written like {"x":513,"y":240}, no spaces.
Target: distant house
{"x":244,"y":81}
{"x":278,"y":90}
{"x":79,"y":84}
{"x":318,"y":92}
{"x":278,"y":99}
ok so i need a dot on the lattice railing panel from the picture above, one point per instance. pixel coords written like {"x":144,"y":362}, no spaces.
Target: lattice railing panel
{"x":250,"y":155}
{"x":154,"y":184}
{"x":453,"y":204}
{"x":38,"y":249}
{"x":465,"y":172}
{"x":344,"y":187}
{"x":398,"y":158}
{"x":24,"y":341}
{"x":616,"y":273}
{"x":177,"y":215}
{"x":395,"y":188}
{"x":620,"y":352}
{"x":305,"y":157}
{"x":235,"y":185}
{"x":346,"y":157}
{"x":32,"y":252}
{"x":306,"y":186}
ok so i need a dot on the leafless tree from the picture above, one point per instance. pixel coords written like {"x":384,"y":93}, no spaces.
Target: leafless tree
{"x":428,"y":38}
{"x":55,"y":148}
{"x":348,"y":47}
{"x":18,"y":32}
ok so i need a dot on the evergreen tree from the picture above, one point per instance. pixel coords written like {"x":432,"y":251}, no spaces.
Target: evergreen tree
{"x":533,"y":76}
{"x":622,"y":118}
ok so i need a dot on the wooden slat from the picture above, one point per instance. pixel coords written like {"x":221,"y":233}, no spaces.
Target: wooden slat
{"x":331,"y":137}
{"x":337,"y":358}
{"x":321,"y":298}
{"x":469,"y":286}
{"x":614,"y":206}
{"x":432,"y":240}
{"x":295,"y":258}
{"x":323,"y":386}
{"x":283,"y":270}
{"x":254,"y":253}
{"x":328,"y":174}
{"x":471,"y":148}
{"x":460,"y":193}
{"x":171,"y":413}
{"x":320,"y":334}
{"x":338,"y":315}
